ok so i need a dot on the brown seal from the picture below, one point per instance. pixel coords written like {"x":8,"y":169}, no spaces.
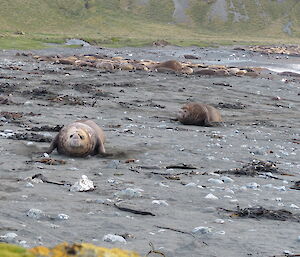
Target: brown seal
{"x":173,"y":66}
{"x":79,"y":139}
{"x":169,"y":65}
{"x":198,"y":114}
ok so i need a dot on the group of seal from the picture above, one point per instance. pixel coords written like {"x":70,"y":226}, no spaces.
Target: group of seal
{"x":84,"y":137}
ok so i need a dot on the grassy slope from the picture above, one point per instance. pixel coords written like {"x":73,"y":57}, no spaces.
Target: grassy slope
{"x":124,"y":22}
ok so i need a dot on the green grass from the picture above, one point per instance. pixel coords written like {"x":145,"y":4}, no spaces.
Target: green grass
{"x":118,"y":23}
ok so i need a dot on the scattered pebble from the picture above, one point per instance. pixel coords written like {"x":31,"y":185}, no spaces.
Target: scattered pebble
{"x":130,"y":193}
{"x":253,"y":185}
{"x":226,"y":179}
{"x":202,"y":230}
{"x":8,"y":237}
{"x":211,"y":197}
{"x":215,"y":181}
{"x":114,"y":238}
{"x":191,"y":184}
{"x":28,"y":184}
{"x":219,"y":221}
{"x":63,"y":216}
{"x":84,"y":184}
{"x":160,"y":202}
{"x":35,"y":214}
{"x":114,"y":164}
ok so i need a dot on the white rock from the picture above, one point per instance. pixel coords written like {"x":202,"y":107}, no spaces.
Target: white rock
{"x":202,"y":230}
{"x":191,"y":184}
{"x":226,"y":179}
{"x":24,"y":244}
{"x":215,"y":181}
{"x":8,"y":237}
{"x":63,"y":216}
{"x":28,"y":103}
{"x":267,"y":186}
{"x":211,"y":197}
{"x":130,"y":193}
{"x":160,"y":202}
{"x":221,"y":232}
{"x":230,"y":191}
{"x":84,"y":184}
{"x":28,"y":184}
{"x":252,"y":185}
{"x":35,"y":213}
{"x":282,"y":188}
{"x":294,"y":206}
{"x":114,"y":238}
{"x":219,"y":221}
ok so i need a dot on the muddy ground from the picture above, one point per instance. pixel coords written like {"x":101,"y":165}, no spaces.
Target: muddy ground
{"x":136,"y":111}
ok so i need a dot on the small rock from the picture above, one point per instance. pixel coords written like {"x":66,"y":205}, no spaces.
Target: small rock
{"x":202,"y":230}
{"x":114,"y":164}
{"x":8,"y":237}
{"x":219,"y":221}
{"x":35,"y":214}
{"x":130,"y":193}
{"x":160,"y":202}
{"x":114,"y":238}
{"x":84,"y":184}
{"x":29,"y":185}
{"x":215,"y":181}
{"x":226,"y":179}
{"x":191,"y":184}
{"x":63,"y":216}
{"x":294,"y":206}
{"x":252,"y":185}
{"x":24,"y":244}
{"x":211,"y":197}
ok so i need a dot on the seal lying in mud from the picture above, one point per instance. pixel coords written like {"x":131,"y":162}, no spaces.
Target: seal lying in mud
{"x":174,"y":66}
{"x":199,"y":114}
{"x":79,"y":139}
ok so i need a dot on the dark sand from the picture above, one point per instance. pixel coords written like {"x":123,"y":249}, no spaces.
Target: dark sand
{"x":135,"y":110}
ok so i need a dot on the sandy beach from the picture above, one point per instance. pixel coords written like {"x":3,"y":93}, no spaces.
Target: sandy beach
{"x":136,"y":109}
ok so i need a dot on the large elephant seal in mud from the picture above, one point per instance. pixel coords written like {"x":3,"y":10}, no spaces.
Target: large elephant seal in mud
{"x":79,"y":139}
{"x":174,"y":66}
{"x":199,"y":114}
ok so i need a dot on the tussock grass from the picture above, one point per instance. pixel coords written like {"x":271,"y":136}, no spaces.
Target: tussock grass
{"x":28,"y":24}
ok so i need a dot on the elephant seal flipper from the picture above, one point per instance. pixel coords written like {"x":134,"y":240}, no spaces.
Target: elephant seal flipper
{"x":53,"y":145}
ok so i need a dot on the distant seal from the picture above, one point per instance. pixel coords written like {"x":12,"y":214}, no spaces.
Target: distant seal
{"x":170,"y":65}
{"x":198,"y":114}
{"x":79,"y":139}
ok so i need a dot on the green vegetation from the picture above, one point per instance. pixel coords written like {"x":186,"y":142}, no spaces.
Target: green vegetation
{"x":28,"y":24}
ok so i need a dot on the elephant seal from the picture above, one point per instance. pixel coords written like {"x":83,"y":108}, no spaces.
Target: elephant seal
{"x":198,"y":114}
{"x":79,"y":139}
{"x":169,"y":65}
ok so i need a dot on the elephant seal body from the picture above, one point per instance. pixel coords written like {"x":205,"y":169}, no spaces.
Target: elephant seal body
{"x":198,"y":114}
{"x":79,"y":139}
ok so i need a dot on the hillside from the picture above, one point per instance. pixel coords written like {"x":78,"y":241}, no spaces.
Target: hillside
{"x":137,"y":22}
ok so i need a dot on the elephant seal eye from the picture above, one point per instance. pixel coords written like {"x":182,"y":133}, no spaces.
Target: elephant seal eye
{"x":71,"y":136}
